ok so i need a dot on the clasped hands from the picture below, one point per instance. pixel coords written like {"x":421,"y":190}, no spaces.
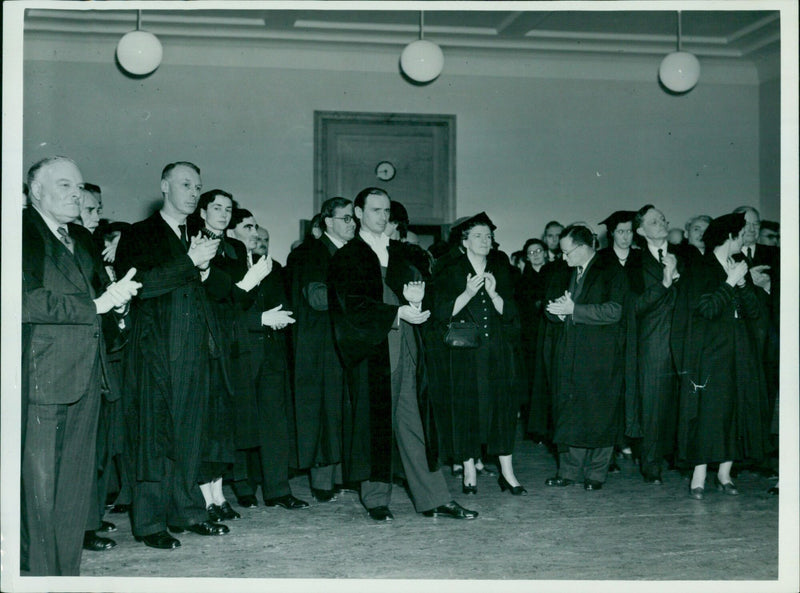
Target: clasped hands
{"x":118,"y":294}
{"x":202,"y":250}
{"x":474,"y":283}
{"x":413,"y":292}
{"x":562,"y":306}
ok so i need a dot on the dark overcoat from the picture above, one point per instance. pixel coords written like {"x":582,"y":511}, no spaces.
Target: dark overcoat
{"x":361,"y":322}
{"x":585,"y":358}
{"x":529,"y":296}
{"x":171,"y":319}
{"x":318,"y":374}
{"x":723,"y":413}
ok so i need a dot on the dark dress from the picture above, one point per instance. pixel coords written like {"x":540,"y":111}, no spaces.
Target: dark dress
{"x":529,"y":296}
{"x":480,"y":401}
{"x":723,"y":413}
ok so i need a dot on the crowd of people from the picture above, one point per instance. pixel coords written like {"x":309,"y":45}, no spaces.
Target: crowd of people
{"x":165,"y":358}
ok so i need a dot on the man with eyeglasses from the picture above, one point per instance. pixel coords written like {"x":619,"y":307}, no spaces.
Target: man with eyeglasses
{"x":583,"y":345}
{"x":318,"y":375}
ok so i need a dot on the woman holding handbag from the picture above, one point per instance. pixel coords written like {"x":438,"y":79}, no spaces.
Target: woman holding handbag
{"x":476,"y":316}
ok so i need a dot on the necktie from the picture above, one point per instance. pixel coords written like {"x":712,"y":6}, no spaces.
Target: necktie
{"x":184,"y":237}
{"x":580,"y":273}
{"x":661,"y":256}
{"x":748,"y":255}
{"x":65,"y":238}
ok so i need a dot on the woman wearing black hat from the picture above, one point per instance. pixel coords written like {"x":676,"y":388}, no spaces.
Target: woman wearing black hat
{"x":481,"y":399}
{"x":717,"y":340}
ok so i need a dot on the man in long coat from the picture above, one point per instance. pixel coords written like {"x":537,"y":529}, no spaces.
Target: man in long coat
{"x":656,"y":290}
{"x":318,"y":375}
{"x":174,"y":335}
{"x":584,"y":346}
{"x":65,"y":290}
{"x":375,"y":299}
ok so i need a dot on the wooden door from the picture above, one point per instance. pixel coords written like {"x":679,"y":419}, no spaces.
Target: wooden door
{"x":348,"y":147}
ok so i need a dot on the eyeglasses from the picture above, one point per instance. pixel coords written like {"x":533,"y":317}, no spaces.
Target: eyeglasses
{"x":347,"y":219}
{"x":564,"y":254}
{"x":535,"y":251}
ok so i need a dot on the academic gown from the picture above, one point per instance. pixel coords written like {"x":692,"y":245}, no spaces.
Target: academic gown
{"x":362,"y":322}
{"x":529,"y":296}
{"x":318,"y":374}
{"x":723,"y":409}
{"x":584,"y":358}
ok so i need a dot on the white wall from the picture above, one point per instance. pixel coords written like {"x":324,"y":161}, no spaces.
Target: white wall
{"x":569,"y":140}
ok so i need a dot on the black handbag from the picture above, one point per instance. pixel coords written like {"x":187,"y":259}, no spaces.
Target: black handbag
{"x":462,"y":334}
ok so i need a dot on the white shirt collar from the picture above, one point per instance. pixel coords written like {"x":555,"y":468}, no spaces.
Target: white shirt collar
{"x":654,"y":250}
{"x":51,"y":223}
{"x":173,"y":223}
{"x":339,"y":244}
{"x":378,"y":243}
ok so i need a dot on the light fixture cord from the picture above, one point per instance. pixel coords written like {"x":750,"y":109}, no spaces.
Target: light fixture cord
{"x":421,"y":23}
{"x":679,"y":30}
{"x":138,"y":20}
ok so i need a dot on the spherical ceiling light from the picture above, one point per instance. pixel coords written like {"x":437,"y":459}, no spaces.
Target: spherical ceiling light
{"x":139,"y":52}
{"x":422,"y":60}
{"x":679,"y":71}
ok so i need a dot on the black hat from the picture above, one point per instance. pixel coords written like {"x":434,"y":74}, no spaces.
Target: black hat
{"x":479,"y":219}
{"x":620,"y":216}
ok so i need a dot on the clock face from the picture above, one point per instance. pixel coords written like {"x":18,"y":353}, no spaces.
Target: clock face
{"x":385,"y":171}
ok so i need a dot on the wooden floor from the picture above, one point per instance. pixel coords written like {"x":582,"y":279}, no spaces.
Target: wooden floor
{"x":628,"y":531}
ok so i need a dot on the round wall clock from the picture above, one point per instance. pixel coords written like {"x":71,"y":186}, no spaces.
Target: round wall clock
{"x":385,"y":171}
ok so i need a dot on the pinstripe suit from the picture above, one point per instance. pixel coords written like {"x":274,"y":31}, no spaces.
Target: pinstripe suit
{"x":62,"y":364}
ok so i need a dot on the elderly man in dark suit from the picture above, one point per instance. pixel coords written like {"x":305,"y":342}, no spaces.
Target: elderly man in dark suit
{"x":65,"y":290}
{"x":173,"y":338}
{"x":375,"y":300}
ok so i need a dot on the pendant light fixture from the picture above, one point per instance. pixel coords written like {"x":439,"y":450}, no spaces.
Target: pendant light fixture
{"x":139,"y":52}
{"x":422,"y":60}
{"x":680,"y":70}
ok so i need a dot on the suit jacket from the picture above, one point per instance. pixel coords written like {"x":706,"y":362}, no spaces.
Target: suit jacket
{"x":61,"y":330}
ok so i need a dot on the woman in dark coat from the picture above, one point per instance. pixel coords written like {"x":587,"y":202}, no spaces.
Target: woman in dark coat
{"x":481,"y":396}
{"x":529,"y":295}
{"x":723,"y":402}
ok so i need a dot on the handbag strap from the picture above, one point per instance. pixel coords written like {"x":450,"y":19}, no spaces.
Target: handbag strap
{"x":468,"y":311}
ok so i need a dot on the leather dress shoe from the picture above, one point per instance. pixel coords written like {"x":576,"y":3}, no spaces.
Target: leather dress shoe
{"x":560,"y":482}
{"x":592,"y":485}
{"x":120,"y":508}
{"x":321,"y":495}
{"x":161,"y":540}
{"x":286,"y":501}
{"x":728,"y":488}
{"x":227,"y":511}
{"x":248,"y":501}
{"x":453,"y":510}
{"x":697,"y":493}
{"x":381,"y":513}
{"x":91,"y":541}
{"x":214,"y":513}
{"x":202,"y":528}
{"x":650,"y":479}
{"x":106,"y":527}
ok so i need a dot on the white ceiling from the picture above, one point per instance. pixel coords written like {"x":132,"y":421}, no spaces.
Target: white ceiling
{"x":752,"y":35}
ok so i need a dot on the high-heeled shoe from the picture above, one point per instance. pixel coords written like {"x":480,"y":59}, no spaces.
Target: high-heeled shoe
{"x":515,"y":490}
{"x":697,"y":493}
{"x":467,"y":489}
{"x":728,"y":488}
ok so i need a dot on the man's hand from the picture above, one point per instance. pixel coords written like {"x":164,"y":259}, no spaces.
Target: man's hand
{"x":277,"y":318}
{"x":670,"y":265}
{"x":118,"y":293}
{"x":257,"y":272}
{"x":737,"y":274}
{"x":414,"y":292}
{"x":411,"y":315}
{"x":564,"y":305}
{"x":202,"y":250}
{"x":760,"y":277}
